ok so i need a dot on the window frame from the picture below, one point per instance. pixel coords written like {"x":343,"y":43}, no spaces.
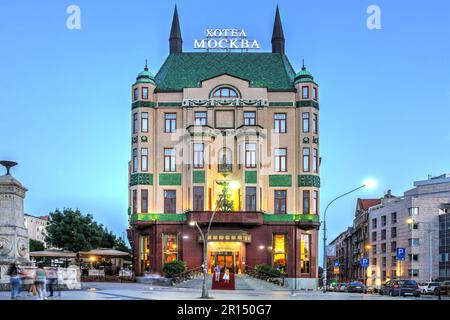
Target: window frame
{"x":170,"y":202}
{"x":144,"y":159}
{"x":144,"y":200}
{"x":278,"y":160}
{"x":303,"y":92}
{"x":144,"y":96}
{"x":198,"y":155}
{"x":201,"y":119}
{"x":250,"y":199}
{"x":307,"y":157}
{"x":280,"y":121}
{"x":171,"y":161}
{"x":305,"y":122}
{"x":251,"y":119}
{"x":280,"y":200}
{"x":251,"y":154}
{"x":170,"y":125}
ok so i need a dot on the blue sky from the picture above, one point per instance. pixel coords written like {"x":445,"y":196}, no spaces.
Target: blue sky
{"x":65,"y":94}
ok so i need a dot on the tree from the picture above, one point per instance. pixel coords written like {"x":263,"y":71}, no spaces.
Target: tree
{"x":36,"y":245}
{"x":73,"y":231}
{"x":225,"y":204}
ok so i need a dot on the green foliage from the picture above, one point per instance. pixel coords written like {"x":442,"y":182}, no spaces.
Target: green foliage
{"x":174,"y":267}
{"x":36,"y":245}
{"x":224,"y":203}
{"x":73,"y":231}
{"x":265,"y":268}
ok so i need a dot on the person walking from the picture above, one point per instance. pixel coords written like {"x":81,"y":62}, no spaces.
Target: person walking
{"x":52,"y":279}
{"x":217,"y":272}
{"x":39,"y":281}
{"x":14,"y":280}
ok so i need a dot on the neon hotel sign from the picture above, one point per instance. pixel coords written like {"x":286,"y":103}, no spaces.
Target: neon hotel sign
{"x":227,"y":39}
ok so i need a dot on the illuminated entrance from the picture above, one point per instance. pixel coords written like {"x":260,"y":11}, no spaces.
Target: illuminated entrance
{"x":226,"y":248}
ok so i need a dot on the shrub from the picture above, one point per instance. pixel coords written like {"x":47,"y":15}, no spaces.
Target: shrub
{"x":265,"y":268}
{"x":174,"y":267}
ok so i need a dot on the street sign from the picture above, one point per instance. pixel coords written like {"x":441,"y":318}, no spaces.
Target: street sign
{"x":364,"y":262}
{"x":401,"y":254}
{"x":336,"y":270}
{"x":331,"y":251}
{"x":336,"y":263}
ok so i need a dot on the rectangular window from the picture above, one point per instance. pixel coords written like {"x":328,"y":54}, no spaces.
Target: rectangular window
{"x":315,"y":93}
{"x":306,"y":207}
{"x":249,"y":118}
{"x":394,"y":232}
{"x":199,"y":156}
{"x":413,"y":272}
{"x":280,"y":201}
{"x":170,"y":200}
{"x":170,"y":122}
{"x":279,"y":252}
{"x":280,"y":159}
{"x":315,"y":124}
{"x":144,"y":121}
{"x":170,"y":247}
{"x":374,"y":249}
{"x":144,"y":159}
{"x":135,"y":159}
{"x":199,"y":198}
{"x":135,"y":123}
{"x":305,"y":253}
{"x":315,"y":202}
{"x":383,"y":264}
{"x":250,"y":155}
{"x":374,"y":236}
{"x":144,"y":93}
{"x":383,"y":248}
{"x":394,"y":217}
{"x":383,"y":234}
{"x":305,"y":159}
{"x":135,"y":94}
{"x":393,"y":246}
{"x":393,"y":261}
{"x":144,"y":201}
{"x":315,"y":162}
{"x":413,"y":242}
{"x":305,"y":92}
{"x":200,"y":118}
{"x":280,"y":122}
{"x":374,"y":261}
{"x":169,"y":160}
{"x":305,"y":117}
{"x":134,"y":201}
{"x":250,"y":198}
{"x":413,"y":257}
{"x":374,"y":223}
{"x":144,"y":252}
{"x":414,"y":226}
{"x":413,"y":211}
{"x":383,"y":221}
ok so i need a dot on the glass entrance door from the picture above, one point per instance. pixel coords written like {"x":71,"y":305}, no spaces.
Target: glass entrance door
{"x":224,"y":260}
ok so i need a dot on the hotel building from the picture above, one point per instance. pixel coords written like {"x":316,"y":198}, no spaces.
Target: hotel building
{"x":237,"y":125}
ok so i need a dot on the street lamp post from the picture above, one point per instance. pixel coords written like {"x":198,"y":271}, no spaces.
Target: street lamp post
{"x":205,"y":294}
{"x":411,"y":221}
{"x":325,"y":267}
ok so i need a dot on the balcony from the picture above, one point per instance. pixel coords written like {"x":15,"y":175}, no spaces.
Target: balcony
{"x":304,"y":221}
{"x":235,"y":217}
{"x":225,"y":167}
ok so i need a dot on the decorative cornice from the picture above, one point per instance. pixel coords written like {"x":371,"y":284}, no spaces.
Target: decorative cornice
{"x":307,"y":103}
{"x":224,"y":102}
{"x":281,"y":104}
{"x":143,"y":104}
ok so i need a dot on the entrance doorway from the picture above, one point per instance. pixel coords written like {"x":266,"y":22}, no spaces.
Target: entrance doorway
{"x":226,"y":254}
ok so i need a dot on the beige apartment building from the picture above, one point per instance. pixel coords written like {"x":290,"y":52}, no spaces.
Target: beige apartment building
{"x":240,"y":121}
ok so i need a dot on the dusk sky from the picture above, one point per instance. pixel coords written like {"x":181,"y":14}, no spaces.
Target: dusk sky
{"x":65,"y":94}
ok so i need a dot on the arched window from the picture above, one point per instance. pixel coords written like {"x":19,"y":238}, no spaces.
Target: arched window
{"x":225,"y":92}
{"x":225,"y":161}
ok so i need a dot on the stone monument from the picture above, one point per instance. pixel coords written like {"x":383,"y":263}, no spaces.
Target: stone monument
{"x":14,"y":243}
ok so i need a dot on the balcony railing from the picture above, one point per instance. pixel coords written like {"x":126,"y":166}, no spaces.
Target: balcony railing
{"x":225,"y":167}
{"x":239,"y":217}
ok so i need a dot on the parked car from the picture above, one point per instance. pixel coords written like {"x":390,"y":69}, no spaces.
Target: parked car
{"x":443,"y":288}
{"x":357,"y":287}
{"x":342,"y":287}
{"x":400,"y":287}
{"x":428,"y":287}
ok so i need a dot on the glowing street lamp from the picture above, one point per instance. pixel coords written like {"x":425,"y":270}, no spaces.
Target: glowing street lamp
{"x":369,"y":184}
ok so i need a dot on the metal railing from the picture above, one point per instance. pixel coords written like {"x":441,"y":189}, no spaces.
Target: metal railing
{"x":278,"y":279}
{"x":187,"y":275}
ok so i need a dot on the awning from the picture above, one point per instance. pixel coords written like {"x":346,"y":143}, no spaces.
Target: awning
{"x":228,"y":235}
{"x":54,"y":254}
{"x":105,"y":253}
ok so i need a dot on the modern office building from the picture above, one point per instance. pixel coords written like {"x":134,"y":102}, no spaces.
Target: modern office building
{"x":444,"y":244}
{"x":239,"y":126}
{"x":411,"y":222}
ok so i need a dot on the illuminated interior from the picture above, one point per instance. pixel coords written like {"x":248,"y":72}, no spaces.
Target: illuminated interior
{"x":226,"y":254}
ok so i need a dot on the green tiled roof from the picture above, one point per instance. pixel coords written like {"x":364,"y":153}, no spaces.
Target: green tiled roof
{"x":187,"y":70}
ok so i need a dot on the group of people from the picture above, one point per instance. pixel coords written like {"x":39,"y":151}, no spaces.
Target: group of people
{"x":41,"y":280}
{"x":217,"y":273}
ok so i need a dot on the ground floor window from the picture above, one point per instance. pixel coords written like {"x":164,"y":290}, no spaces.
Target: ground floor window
{"x":279,"y":252}
{"x":170,"y":247}
{"x":144,"y":253}
{"x":305,"y":253}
